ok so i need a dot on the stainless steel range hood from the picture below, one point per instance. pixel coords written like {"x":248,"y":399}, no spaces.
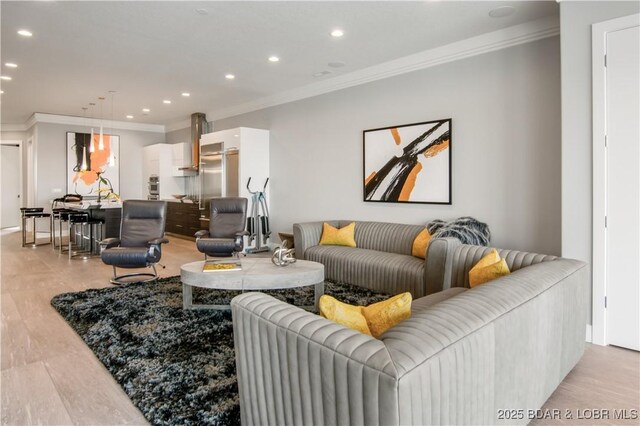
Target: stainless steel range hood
{"x":198,"y":127}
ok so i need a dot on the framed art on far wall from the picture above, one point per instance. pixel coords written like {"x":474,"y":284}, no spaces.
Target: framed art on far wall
{"x":410,"y":163}
{"x":84,"y":168}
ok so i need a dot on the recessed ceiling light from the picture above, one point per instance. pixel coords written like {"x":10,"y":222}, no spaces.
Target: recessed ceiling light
{"x":202,"y":11}
{"x":336,"y":64}
{"x":185,"y":94}
{"x":25,"y":33}
{"x":229,"y":76}
{"x":146,"y":110}
{"x":166,"y":101}
{"x":1,"y":92}
{"x":337,"y":33}
{"x":502,"y":11}
{"x":11,"y":65}
{"x":5,"y":77}
{"x":322,"y":73}
{"x":274,"y":59}
{"x":129,"y":117}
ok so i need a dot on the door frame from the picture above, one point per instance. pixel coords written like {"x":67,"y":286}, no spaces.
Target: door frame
{"x":21,"y":181}
{"x":599,"y":253}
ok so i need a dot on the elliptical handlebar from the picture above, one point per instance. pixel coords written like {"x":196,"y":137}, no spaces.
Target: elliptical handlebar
{"x":257,"y":192}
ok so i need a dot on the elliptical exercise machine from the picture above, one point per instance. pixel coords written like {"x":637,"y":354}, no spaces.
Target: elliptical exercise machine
{"x":258,"y":222}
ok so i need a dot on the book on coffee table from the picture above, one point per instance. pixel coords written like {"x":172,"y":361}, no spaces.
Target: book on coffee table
{"x":217,"y":265}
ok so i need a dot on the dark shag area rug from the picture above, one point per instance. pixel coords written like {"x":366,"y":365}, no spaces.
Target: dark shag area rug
{"x":177,"y":366}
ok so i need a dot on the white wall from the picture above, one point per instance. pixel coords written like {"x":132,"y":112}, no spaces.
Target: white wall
{"x":505,"y":107}
{"x":51,"y":160}
{"x":575,"y":29}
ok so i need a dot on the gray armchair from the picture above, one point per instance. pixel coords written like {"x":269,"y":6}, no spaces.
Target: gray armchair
{"x":141,"y":235}
{"x":224,"y":238}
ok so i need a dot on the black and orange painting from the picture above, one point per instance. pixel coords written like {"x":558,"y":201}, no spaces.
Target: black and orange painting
{"x":410,"y":163}
{"x":85,"y":168}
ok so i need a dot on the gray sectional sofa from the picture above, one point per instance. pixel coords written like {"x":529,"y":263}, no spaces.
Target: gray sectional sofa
{"x":382,"y":260}
{"x":464,"y":357}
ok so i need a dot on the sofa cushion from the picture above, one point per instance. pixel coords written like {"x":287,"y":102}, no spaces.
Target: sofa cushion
{"x":420,"y":244}
{"x":388,"y":237}
{"x":430,"y":300}
{"x":332,"y":236}
{"x":381,"y":316}
{"x":490,"y":267}
{"x":370,"y":268}
{"x":343,"y":313}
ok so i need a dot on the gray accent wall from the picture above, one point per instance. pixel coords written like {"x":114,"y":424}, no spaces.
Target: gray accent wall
{"x":505,"y":107}
{"x":51,"y":160}
{"x":180,"y":135}
{"x":576,"y":18}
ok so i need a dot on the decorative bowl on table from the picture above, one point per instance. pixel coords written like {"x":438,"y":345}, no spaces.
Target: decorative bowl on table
{"x":179,"y":196}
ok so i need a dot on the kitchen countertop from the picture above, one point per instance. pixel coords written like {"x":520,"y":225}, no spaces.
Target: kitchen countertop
{"x":174,"y":200}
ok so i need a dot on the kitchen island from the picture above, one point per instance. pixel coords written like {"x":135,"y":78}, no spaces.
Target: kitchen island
{"x":109,"y":211}
{"x":183,"y":218}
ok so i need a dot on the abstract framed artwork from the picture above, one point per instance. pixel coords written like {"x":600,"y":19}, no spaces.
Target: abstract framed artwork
{"x":410,"y":163}
{"x":87,"y":165}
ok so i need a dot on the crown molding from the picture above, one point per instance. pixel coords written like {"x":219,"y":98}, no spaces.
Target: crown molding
{"x":71,"y":120}
{"x":89,"y":122}
{"x":511,"y":36}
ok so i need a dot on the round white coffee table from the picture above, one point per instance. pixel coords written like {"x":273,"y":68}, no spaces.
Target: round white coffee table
{"x":256,"y":274}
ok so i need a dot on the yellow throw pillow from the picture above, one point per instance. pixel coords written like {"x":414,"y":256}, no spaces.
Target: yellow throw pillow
{"x":383,"y":315}
{"x":343,"y":313}
{"x":488,"y":268}
{"x":374,"y":319}
{"x":344,"y":236}
{"x":420,"y":244}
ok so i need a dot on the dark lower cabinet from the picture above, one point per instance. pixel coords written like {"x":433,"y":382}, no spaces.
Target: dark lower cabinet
{"x":183,"y":218}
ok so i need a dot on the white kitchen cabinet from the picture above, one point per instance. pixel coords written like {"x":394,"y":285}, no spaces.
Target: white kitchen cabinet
{"x":158,"y":161}
{"x":182,"y":157}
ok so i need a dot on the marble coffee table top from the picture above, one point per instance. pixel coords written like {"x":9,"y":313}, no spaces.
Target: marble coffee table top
{"x":256,"y":274}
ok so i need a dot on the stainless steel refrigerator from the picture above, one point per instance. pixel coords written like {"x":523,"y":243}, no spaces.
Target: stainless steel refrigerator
{"x":218,"y":173}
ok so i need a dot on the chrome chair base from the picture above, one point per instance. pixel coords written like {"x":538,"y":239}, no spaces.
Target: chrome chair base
{"x":126,"y":278}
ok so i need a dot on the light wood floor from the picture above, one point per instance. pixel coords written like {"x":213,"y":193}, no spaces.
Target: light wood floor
{"x":49,"y":376}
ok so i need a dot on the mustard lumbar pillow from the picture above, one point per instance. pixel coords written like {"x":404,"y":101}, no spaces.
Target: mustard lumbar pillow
{"x":383,"y":315}
{"x":490,"y":267}
{"x":420,"y":244}
{"x":344,"y":236}
{"x":343,"y":313}
{"x":374,"y":319}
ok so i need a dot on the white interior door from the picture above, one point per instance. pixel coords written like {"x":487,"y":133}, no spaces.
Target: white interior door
{"x":622,"y":268}
{"x":10,"y":185}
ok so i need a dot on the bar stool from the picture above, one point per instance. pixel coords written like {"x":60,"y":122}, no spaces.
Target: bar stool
{"x":92,"y":235}
{"x":86,"y":232}
{"x":59,"y":216}
{"x":76,"y":221}
{"x":33,"y":213}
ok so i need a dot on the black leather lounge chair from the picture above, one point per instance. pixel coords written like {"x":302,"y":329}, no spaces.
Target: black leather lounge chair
{"x":224,"y":238}
{"x":141,"y":235}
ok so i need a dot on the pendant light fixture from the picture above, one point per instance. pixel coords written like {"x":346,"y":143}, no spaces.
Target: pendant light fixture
{"x":91,"y":148}
{"x":112,"y":157}
{"x":101,"y":139}
{"x":83,"y":167}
